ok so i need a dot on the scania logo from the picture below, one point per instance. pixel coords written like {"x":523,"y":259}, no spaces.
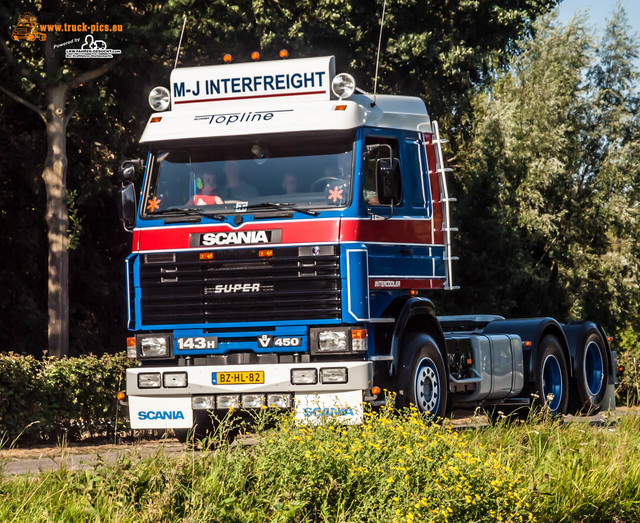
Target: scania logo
{"x":210,"y":239}
{"x":160,"y":414}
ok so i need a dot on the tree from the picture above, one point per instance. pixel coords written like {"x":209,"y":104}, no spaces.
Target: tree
{"x":430,"y":48}
{"x":54,"y":84}
{"x":549,"y":180}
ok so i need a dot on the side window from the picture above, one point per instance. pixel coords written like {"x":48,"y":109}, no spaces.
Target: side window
{"x":376,"y":148}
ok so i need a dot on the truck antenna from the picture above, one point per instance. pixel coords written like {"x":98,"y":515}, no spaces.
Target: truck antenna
{"x":375,"y":81}
{"x":184,"y":23}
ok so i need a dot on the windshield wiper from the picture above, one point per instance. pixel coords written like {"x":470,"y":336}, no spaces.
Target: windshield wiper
{"x":188,"y":211}
{"x":282,"y":205}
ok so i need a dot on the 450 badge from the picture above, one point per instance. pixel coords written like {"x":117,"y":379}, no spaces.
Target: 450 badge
{"x":267,"y":340}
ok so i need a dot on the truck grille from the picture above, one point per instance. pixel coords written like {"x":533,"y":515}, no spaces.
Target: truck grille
{"x":239,"y":285}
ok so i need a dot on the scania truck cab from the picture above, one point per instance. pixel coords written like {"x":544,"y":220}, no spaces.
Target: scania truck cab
{"x":282,"y":237}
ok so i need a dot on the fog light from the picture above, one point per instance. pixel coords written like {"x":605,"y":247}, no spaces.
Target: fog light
{"x":149,"y":380}
{"x":333,"y":375}
{"x":154,"y":346}
{"x":174,"y":379}
{"x":203,"y":402}
{"x":252,"y":401}
{"x":280,"y":401}
{"x":228,"y":401}
{"x":332,"y":341}
{"x":304,"y":376}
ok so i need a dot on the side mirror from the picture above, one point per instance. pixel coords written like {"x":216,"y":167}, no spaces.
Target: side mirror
{"x":126,"y":173}
{"x":388,"y":181}
{"x":126,"y":206}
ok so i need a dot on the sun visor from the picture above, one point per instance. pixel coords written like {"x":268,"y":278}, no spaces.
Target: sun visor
{"x":236,"y":119}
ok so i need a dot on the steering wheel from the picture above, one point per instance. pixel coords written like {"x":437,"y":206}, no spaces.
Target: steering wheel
{"x":315,"y":186}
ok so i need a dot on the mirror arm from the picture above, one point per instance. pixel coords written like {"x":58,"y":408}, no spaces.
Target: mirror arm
{"x":391,"y":213}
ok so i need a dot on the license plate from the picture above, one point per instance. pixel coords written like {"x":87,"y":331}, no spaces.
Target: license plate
{"x":237,"y":378}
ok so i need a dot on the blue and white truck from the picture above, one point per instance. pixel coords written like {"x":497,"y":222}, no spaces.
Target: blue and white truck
{"x":297,"y":281}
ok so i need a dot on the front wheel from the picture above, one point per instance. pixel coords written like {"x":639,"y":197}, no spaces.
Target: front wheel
{"x":426,"y":383}
{"x":551,"y":377}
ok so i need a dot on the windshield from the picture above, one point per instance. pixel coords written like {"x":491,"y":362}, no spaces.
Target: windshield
{"x":220,"y":176}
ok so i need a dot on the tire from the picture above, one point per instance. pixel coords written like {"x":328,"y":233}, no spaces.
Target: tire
{"x":424,"y":382}
{"x":551,"y":382}
{"x":592,"y":376}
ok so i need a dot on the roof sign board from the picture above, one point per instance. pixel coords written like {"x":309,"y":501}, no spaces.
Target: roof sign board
{"x":307,"y":79}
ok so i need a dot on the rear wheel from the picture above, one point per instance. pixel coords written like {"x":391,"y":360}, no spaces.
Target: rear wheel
{"x":592,"y":375}
{"x":551,"y":378}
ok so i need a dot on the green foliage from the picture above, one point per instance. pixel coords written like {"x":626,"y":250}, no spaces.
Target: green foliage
{"x":628,"y":345}
{"x":577,"y":472}
{"x":65,"y":399}
{"x":391,"y":468}
{"x":21,"y":396}
{"x":548,"y":183}
{"x":75,"y":221}
{"x":435,"y":50}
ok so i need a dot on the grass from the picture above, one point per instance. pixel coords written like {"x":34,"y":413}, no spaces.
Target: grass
{"x":393,"y":467}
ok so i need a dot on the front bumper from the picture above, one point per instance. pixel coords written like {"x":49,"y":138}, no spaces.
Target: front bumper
{"x":170,"y":407}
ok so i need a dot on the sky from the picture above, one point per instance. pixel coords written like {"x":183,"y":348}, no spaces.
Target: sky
{"x":598,"y":13}
{"x":600,"y":10}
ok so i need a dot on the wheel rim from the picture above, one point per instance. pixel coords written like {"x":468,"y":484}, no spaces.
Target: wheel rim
{"x":593,"y":367}
{"x":427,"y":386}
{"x":552,"y":382}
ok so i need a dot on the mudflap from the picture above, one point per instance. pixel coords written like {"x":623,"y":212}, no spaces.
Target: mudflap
{"x":338,"y":407}
{"x":166,"y":412}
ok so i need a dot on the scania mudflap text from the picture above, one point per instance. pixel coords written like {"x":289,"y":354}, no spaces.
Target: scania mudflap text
{"x":285,"y":228}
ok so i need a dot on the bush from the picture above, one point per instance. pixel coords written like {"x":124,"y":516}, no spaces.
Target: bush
{"x":21,"y":396}
{"x":54,"y":399}
{"x":628,"y":390}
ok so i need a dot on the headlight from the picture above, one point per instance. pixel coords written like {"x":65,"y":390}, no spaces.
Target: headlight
{"x":336,"y":340}
{"x":332,"y":341}
{"x":304,"y":376}
{"x":157,"y":346}
{"x":228,"y":401}
{"x":149,"y":380}
{"x":343,"y":85}
{"x":174,"y":379}
{"x":159,"y":98}
{"x":281,"y":401}
{"x":203,"y":402}
{"x":252,"y":401}
{"x":333,"y":375}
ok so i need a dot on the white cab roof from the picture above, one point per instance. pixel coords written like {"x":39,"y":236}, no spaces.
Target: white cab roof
{"x":296,"y":98}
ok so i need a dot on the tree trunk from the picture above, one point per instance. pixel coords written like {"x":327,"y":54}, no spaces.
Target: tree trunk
{"x":57,"y":219}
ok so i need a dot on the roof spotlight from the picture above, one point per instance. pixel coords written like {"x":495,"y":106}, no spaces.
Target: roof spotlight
{"x":343,"y":85}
